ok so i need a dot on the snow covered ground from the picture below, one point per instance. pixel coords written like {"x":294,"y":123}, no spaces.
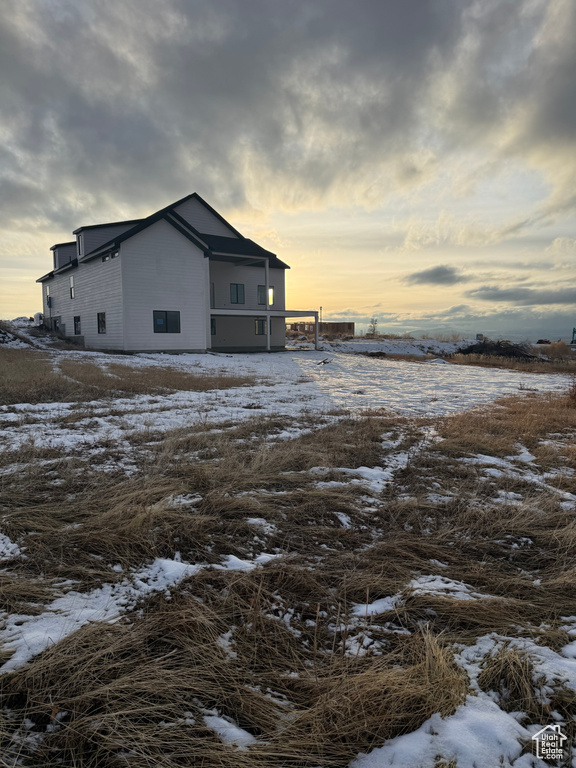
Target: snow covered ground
{"x":287,"y":384}
{"x":298,"y":385}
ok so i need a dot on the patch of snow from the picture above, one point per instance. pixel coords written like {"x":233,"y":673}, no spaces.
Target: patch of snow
{"x":229,"y":732}
{"x":478,"y":735}
{"x":441,"y":585}
{"x":8,"y":549}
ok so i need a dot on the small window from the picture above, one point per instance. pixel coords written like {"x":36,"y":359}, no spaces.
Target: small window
{"x":260,"y":327}
{"x":213,"y":326}
{"x":236,"y":293}
{"x":212,"y":304}
{"x":80,"y":244}
{"x":101,"y":322}
{"x":71,"y":286}
{"x":77,"y":331}
{"x":262,"y":295}
{"x":166,"y":322}
{"x":47,"y":289}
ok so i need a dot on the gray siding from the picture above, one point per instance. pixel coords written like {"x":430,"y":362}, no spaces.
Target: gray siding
{"x":63,"y":255}
{"x":202,"y":220}
{"x":223,"y":273}
{"x":100,"y":235}
{"x":239,"y":333}
{"x":162,"y":270}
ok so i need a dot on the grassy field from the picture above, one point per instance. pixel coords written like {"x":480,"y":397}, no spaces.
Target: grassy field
{"x":461,"y":527}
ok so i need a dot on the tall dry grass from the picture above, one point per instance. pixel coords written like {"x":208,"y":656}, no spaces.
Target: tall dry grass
{"x":295,"y":670}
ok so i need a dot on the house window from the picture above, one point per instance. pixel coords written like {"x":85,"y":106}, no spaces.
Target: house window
{"x":71,"y":286}
{"x":260,"y":327}
{"x":213,"y":326}
{"x":212,"y":303}
{"x":101,"y":322}
{"x":77,"y":330}
{"x":262,"y":294}
{"x":47,"y":290}
{"x":80,"y":244}
{"x":236,"y":293}
{"x":166,"y":322}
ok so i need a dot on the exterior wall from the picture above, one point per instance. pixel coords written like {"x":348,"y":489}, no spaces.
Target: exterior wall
{"x":202,"y":220}
{"x":238,"y":333}
{"x":63,"y":255}
{"x":92,"y":238}
{"x":162,"y":270}
{"x":223,"y":273}
{"x":97,"y":288}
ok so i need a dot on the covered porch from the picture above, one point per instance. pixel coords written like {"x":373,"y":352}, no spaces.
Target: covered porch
{"x":264,"y":331}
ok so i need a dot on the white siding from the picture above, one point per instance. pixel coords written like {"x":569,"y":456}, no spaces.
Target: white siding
{"x":222,"y":274}
{"x":97,"y":288}
{"x":162,"y":270}
{"x":202,"y":220}
{"x":239,"y":333}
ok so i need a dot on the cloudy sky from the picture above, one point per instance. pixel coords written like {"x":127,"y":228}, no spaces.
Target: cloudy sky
{"x":412,"y":160}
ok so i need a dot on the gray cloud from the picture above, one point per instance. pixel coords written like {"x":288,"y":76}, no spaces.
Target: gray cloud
{"x":110,"y":109}
{"x":441,"y":275}
{"x":525,"y":296}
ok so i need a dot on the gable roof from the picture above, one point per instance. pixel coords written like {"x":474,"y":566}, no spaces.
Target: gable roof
{"x":63,"y":245}
{"x":210,"y":244}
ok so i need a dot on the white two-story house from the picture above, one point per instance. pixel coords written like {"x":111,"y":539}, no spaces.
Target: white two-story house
{"x":180,"y":280}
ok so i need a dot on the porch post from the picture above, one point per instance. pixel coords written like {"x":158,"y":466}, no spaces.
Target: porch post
{"x":315,"y":330}
{"x":267,"y":302}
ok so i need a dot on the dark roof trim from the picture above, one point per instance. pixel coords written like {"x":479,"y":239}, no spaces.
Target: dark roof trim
{"x":61,"y":245}
{"x":186,"y":225}
{"x":215,"y":213}
{"x":45,"y":277}
{"x":164,"y":215}
{"x":66,"y":267}
{"x":110,"y":224}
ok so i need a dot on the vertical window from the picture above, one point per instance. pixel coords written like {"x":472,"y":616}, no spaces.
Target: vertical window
{"x":212,"y":303}
{"x":77,"y":331}
{"x":71,"y":286}
{"x":260,"y":327}
{"x":166,"y":322}
{"x":101,"y":322}
{"x":213,"y":326}
{"x":80,"y":244}
{"x":262,"y":294}
{"x":236,"y":293}
{"x":47,"y":290}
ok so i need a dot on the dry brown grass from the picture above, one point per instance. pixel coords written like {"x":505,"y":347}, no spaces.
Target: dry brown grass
{"x":296,"y":674}
{"x":30,"y":376}
{"x":556,"y":363}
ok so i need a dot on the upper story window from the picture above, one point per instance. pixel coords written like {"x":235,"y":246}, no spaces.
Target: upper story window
{"x":80,"y":244}
{"x":72,"y":293}
{"x":236,"y":293}
{"x":262,"y":295}
{"x":166,"y":322}
{"x":47,"y":290}
{"x":212,"y":300}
